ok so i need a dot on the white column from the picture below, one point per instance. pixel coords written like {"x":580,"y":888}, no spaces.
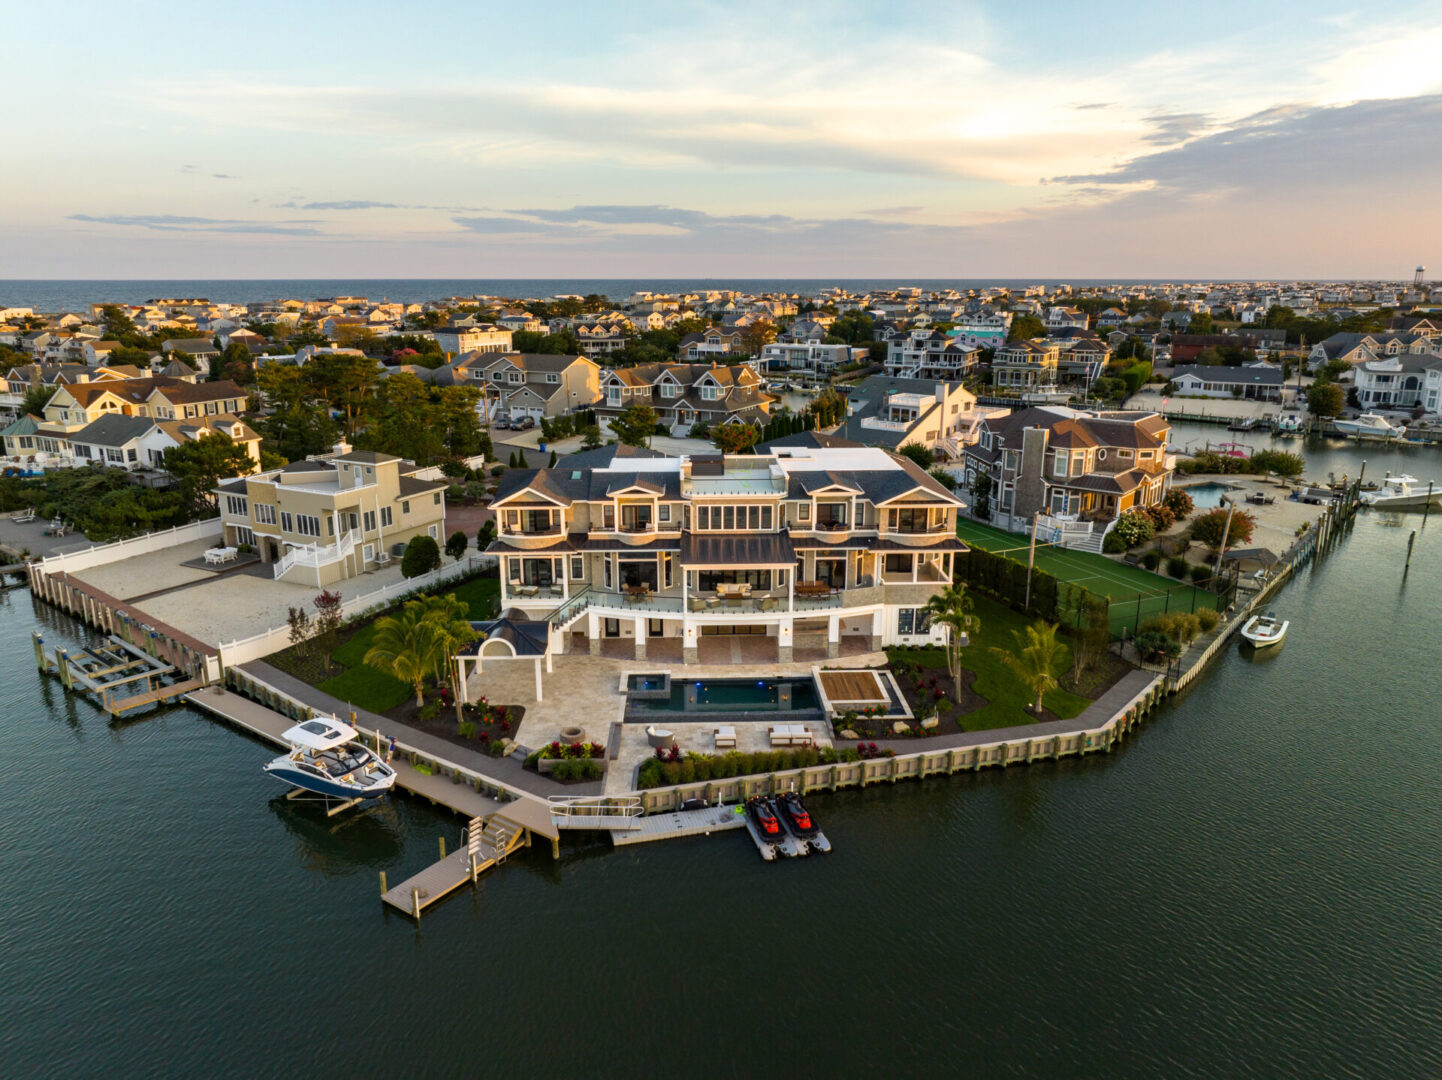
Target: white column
{"x":538,"y":678}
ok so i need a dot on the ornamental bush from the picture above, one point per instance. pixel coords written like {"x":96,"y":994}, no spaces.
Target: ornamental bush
{"x":1179,"y":503}
{"x":1177,"y":567}
{"x":422,"y":556}
{"x":1113,"y":544}
{"x":1209,"y":618}
{"x":1150,"y":560}
{"x":1134,"y":528}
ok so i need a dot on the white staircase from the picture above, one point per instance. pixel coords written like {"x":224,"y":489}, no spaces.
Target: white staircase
{"x":316,"y":557}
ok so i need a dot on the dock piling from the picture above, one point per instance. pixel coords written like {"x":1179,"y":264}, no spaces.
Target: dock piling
{"x":39,"y":639}
{"x":442,"y":840}
{"x":384,"y":890}
{"x":1411,"y":539}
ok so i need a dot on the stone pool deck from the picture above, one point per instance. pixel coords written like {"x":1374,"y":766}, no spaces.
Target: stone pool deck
{"x":585,"y":691}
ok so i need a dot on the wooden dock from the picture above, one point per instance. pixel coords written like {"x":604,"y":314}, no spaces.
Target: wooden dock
{"x":115,"y":706}
{"x":670,"y":826}
{"x":496,"y":829}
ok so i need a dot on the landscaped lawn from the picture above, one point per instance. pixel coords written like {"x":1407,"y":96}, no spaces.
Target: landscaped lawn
{"x":1008,"y":700}
{"x":367,"y":688}
{"x":1132,"y":591}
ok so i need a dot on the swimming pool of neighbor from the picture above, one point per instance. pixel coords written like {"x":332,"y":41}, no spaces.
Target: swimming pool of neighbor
{"x":732,"y":697}
{"x":1207,"y":496}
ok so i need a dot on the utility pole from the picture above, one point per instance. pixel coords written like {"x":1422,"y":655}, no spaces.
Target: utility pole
{"x":1031,"y":556}
{"x":1226,"y":532}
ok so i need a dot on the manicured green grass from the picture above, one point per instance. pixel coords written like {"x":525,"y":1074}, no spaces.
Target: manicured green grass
{"x":1121,"y":584}
{"x":1007,"y":698}
{"x":367,"y":688}
{"x":370,"y":689}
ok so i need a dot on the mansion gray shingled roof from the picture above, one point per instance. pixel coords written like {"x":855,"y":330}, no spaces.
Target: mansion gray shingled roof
{"x":113,"y":429}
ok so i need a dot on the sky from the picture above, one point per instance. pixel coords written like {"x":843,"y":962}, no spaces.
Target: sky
{"x":836,"y":139}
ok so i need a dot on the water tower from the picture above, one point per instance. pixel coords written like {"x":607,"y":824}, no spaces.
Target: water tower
{"x":1420,"y":277}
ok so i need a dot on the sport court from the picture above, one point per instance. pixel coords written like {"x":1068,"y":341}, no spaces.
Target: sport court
{"x":1134,"y":593}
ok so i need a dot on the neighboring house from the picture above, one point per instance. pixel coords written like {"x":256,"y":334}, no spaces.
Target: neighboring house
{"x":520,"y":320}
{"x":516,"y":385}
{"x":809,"y":357}
{"x":1026,"y":365}
{"x":816,"y":549}
{"x":930,"y":354}
{"x":1259,"y":382}
{"x":713,"y":343}
{"x":73,"y":406}
{"x":599,"y":339}
{"x":1059,"y":317}
{"x":891,"y":413}
{"x":200,"y":351}
{"x":22,"y":439}
{"x":1405,"y":381}
{"x":1187,"y":347}
{"x":1059,"y":461}
{"x":323,"y":520}
{"x":456,"y":340}
{"x":1083,"y":356}
{"x":122,"y":442}
{"x":982,"y":330}
{"x":241,"y":433}
{"x":1111,"y":318}
{"x":684,"y":394}
{"x":1356,"y":348}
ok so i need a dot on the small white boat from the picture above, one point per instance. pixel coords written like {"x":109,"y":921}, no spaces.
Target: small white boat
{"x":1263,"y":630}
{"x":1369,"y":426}
{"x":325,"y":759}
{"x":1289,"y":424}
{"x":1402,"y":493}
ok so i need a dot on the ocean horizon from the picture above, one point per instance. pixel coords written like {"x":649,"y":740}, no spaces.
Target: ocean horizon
{"x":69,"y":294}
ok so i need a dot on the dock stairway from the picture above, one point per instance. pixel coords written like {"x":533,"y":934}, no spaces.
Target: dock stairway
{"x":487,"y":843}
{"x":596,"y":812}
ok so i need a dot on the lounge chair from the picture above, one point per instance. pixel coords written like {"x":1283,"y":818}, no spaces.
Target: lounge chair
{"x":725,"y":738}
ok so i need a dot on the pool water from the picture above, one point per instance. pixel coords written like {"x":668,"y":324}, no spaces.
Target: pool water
{"x":732,"y":696}
{"x":1206,"y":496}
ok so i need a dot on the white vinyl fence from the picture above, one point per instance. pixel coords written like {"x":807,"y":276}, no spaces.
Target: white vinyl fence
{"x":101,"y":554}
{"x":277,"y":638}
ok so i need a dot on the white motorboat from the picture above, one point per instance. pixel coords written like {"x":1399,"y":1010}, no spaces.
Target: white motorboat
{"x":1289,"y":424}
{"x":1402,"y":493}
{"x":1370,"y":426}
{"x":1263,"y":630}
{"x":326,"y":760}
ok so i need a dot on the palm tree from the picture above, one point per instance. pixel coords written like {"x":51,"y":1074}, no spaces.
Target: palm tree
{"x":1039,"y":652}
{"x":447,"y":627}
{"x":952,"y":609}
{"x":402,"y":647}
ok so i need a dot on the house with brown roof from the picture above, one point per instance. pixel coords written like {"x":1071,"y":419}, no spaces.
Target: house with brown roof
{"x":1085,"y":466}
{"x":685,"y":394}
{"x":518,"y":385}
{"x":1026,"y":365}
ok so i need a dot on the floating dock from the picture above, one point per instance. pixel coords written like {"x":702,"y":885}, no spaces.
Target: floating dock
{"x":679,"y":823}
{"x":121,"y":676}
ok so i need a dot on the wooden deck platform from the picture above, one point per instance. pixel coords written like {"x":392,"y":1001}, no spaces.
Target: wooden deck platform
{"x":853,"y":687}
{"x":681,"y":823}
{"x":420,"y":891}
{"x":115,"y":706}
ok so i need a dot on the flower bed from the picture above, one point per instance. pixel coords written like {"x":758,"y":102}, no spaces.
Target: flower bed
{"x":672,"y":766}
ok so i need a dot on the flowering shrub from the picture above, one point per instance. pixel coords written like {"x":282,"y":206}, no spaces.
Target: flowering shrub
{"x":575,"y":750}
{"x":1134,"y":528}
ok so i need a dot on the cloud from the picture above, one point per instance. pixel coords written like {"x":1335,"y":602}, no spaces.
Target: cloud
{"x":177,"y":223}
{"x":223,"y":176}
{"x":1094,"y":105}
{"x":893,"y":211}
{"x":1175,"y":127}
{"x":349,"y":204}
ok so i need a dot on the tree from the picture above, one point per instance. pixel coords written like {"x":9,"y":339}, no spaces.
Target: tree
{"x":298,"y":619}
{"x":636,"y":425}
{"x":445,"y":627}
{"x":735,"y":438}
{"x":1025,"y":327}
{"x":919,"y":454}
{"x":328,"y":618}
{"x":456,"y":545}
{"x":422,"y":556}
{"x":1207,"y":528}
{"x":1201,"y":323}
{"x":486,"y":534}
{"x":1324,"y":399}
{"x":35,"y":400}
{"x":952,"y":609}
{"x":591,"y":436}
{"x":1039,"y":652}
{"x":981,"y":493}
{"x":200,"y":464}
{"x":401,"y":649}
{"x":1281,"y":462}
{"x":551,"y":464}
{"x":1092,"y":638}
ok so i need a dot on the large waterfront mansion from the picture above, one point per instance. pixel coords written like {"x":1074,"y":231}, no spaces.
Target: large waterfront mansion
{"x":826,"y":549}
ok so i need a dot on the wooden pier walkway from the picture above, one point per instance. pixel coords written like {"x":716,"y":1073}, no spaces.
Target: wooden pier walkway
{"x":499,"y":828}
{"x":115,"y":706}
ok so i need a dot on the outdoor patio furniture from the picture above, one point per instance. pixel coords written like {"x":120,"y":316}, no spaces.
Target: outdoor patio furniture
{"x":557,"y":590}
{"x":725,"y":738}
{"x":712,"y":602}
{"x":698,"y":604}
{"x":660,"y":737}
{"x":529,"y":590}
{"x":790,"y":735}
{"x":768,"y":603}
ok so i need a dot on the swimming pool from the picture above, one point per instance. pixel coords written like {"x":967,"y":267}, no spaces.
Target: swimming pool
{"x":733,"y":697}
{"x":1206,"y":496}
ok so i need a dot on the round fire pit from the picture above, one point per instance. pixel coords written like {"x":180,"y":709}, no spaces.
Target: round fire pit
{"x":573,"y":735}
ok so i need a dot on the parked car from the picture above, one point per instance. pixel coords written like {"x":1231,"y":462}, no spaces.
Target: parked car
{"x":525,"y":423}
